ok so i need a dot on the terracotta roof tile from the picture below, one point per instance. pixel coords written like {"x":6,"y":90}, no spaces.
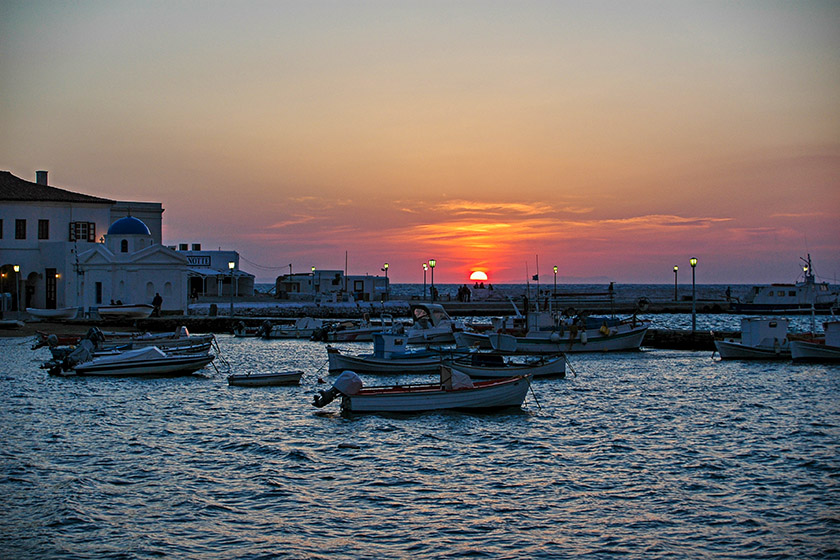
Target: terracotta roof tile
{"x":16,"y":189}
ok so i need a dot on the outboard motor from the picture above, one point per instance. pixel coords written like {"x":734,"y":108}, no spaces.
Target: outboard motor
{"x":348,"y":383}
{"x":325,"y":397}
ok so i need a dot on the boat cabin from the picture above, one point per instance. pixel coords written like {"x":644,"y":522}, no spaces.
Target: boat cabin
{"x":763,"y":331}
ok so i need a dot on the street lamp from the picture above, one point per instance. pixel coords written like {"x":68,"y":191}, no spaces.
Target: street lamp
{"x":231,"y":264}
{"x":693,"y":262}
{"x":676,"y":268}
{"x":432,"y":263}
{"x":555,"y":280}
{"x":385,"y":268}
{"x":425,"y":268}
{"x":17,"y":287}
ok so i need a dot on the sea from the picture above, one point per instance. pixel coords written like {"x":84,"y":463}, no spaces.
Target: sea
{"x":650,"y":454}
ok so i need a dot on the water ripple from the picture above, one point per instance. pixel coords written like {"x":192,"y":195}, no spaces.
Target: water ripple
{"x":658,"y":454}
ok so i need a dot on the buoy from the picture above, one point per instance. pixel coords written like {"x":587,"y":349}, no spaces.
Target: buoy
{"x":555,"y":337}
{"x":583,"y":337}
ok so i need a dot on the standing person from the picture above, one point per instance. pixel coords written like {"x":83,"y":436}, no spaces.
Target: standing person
{"x":157,"y":302}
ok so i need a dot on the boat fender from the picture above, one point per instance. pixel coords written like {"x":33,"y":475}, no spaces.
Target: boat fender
{"x":583,"y":337}
{"x":555,"y":337}
{"x":605,"y":330}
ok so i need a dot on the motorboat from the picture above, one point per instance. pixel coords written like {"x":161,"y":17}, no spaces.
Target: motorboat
{"x":356,"y":331}
{"x":178,"y":342}
{"x":455,"y":391}
{"x":762,"y":338}
{"x":818,"y":349}
{"x":143,"y":362}
{"x":125,"y":311}
{"x":804,"y":296}
{"x":241,"y":330}
{"x":60,"y":314}
{"x":481,"y":365}
{"x":390,"y":355}
{"x":431,"y":324}
{"x":304,"y":327}
{"x":551,"y":333}
{"x":265,"y":379}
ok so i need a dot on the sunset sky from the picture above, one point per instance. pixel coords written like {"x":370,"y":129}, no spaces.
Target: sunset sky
{"x":612,"y":139}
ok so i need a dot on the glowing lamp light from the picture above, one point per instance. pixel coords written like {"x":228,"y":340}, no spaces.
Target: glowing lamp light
{"x":478,"y":276}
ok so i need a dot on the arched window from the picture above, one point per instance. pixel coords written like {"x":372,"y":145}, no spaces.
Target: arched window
{"x":150,"y":290}
{"x":167,"y":289}
{"x":124,"y":246}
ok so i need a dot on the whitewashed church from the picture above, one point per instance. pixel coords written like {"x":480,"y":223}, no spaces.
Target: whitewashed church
{"x":53,"y":254}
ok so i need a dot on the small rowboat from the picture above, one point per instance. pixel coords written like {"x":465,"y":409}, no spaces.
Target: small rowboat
{"x":55,"y":314}
{"x":128,"y":311}
{"x":265,"y":379}
{"x":494,"y":366}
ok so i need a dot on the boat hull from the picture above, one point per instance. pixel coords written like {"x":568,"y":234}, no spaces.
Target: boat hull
{"x":339,"y":362}
{"x":486,"y":395}
{"x":552,"y":342}
{"x":731,"y":350}
{"x":138,"y":311}
{"x":805,"y":351}
{"x":166,"y":367}
{"x":63,"y":313}
{"x":265,"y":379}
{"x":555,"y":367}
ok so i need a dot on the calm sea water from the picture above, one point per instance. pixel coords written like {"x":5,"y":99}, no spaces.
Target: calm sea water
{"x":656,"y":454}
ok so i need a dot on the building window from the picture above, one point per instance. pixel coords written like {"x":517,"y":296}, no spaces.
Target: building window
{"x":43,"y":229}
{"x":83,"y":231}
{"x":20,"y":229}
{"x":124,"y":246}
{"x":99,"y":292}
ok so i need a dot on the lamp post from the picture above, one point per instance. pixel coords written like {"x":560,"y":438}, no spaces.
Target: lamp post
{"x":17,"y":287}
{"x":385,"y":268}
{"x":231,"y":264}
{"x":676,"y":268}
{"x":693,"y":262}
{"x":432,"y":263}
{"x":425,"y":268}
{"x":555,"y":280}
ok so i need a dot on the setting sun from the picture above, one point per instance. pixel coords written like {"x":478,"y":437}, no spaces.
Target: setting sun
{"x":478,"y":276}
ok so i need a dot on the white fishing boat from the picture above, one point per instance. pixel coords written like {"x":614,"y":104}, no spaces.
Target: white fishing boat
{"x":143,"y":362}
{"x":455,"y":391}
{"x":762,"y":338}
{"x":390,"y":354}
{"x":303,"y":327}
{"x":818,"y":349}
{"x":496,"y":366}
{"x":550,"y":333}
{"x":801,"y":297}
{"x":60,"y":314}
{"x":431,"y":324}
{"x":125,"y":311}
{"x":265,"y":379}
{"x":11,"y":324}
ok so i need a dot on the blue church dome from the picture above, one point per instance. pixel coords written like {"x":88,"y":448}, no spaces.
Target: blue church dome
{"x":128,"y":226}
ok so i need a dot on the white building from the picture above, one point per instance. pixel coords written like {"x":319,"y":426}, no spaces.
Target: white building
{"x":76,"y":250}
{"x":331,"y":285}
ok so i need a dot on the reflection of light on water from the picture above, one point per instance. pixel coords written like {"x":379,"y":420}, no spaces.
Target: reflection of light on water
{"x":612,"y":457}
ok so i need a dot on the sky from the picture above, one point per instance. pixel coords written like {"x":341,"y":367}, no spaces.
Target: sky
{"x":613,"y":139}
